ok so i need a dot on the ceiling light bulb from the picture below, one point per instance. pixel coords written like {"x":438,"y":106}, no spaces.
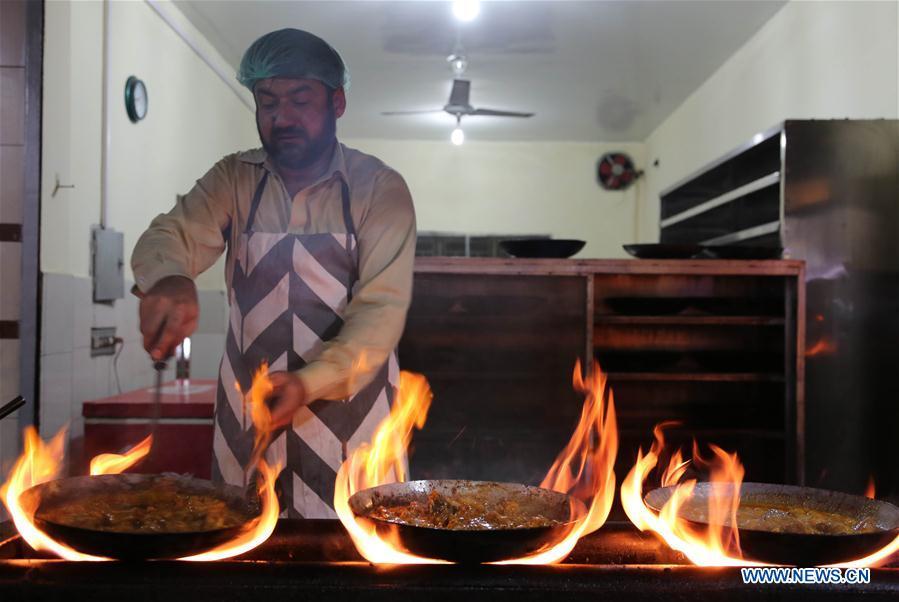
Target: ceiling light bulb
{"x":466,"y":10}
{"x":458,"y":136}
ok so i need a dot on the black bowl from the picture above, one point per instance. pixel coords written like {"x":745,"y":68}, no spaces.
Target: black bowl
{"x":557,"y":248}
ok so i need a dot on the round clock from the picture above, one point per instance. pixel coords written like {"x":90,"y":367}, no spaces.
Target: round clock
{"x":135,"y":99}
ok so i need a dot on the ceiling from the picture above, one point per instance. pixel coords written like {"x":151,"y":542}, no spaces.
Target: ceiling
{"x":590,"y":70}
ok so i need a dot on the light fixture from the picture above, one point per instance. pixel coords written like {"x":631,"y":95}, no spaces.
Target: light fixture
{"x":458,"y":136}
{"x":466,"y":10}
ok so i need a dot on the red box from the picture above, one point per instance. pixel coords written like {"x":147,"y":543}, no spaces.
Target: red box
{"x":183,"y":441}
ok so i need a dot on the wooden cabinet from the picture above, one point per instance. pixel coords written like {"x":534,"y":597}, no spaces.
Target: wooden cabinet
{"x":714,"y":344}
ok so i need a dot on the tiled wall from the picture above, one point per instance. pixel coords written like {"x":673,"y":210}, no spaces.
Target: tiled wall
{"x":12,"y":178}
{"x":70,"y":376}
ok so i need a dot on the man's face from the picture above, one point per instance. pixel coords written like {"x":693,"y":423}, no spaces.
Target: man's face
{"x":297,"y":119}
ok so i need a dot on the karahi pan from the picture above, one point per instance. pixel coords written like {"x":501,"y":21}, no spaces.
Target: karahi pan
{"x":137,"y":544}
{"x":471,"y":545}
{"x":880,"y":522}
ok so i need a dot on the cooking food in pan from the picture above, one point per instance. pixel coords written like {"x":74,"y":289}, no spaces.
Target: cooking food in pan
{"x":790,"y":525}
{"x":467,"y":521}
{"x":139,"y":516}
{"x":473,"y":508}
{"x":778,"y":518}
{"x":159,"y":506}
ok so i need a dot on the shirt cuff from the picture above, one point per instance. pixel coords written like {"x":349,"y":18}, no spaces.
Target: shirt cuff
{"x":319,"y":379}
{"x":146,"y":279}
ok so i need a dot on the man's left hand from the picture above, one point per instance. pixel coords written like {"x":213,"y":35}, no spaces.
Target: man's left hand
{"x":288,"y":396}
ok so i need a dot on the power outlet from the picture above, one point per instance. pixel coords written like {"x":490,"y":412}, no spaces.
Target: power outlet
{"x":103,"y":341}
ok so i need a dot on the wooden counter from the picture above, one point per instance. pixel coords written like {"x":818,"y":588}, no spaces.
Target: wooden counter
{"x":715,"y":344}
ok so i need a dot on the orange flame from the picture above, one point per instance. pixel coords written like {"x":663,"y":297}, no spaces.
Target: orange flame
{"x":261,"y":528}
{"x":383,"y":461}
{"x":38,"y":464}
{"x":823,"y":347}
{"x":719,"y":544}
{"x":258,"y":530}
{"x":870,"y":490}
{"x":41,"y":462}
{"x":584,"y":469}
{"x":118,"y":463}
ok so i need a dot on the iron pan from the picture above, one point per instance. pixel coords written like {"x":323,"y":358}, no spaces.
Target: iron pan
{"x":137,"y":545}
{"x":797,"y":549}
{"x":469,"y":546}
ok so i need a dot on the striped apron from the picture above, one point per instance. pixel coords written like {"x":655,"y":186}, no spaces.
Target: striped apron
{"x":288,"y":295}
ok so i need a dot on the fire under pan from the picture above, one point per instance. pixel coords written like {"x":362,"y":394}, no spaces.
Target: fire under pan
{"x":315,"y":560}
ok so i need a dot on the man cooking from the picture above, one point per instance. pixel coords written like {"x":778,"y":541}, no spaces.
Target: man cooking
{"x":320,"y":242}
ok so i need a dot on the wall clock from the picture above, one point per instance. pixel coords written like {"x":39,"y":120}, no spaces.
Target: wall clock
{"x":135,"y":99}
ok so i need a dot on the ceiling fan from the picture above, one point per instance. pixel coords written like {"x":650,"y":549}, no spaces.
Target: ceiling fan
{"x":459,"y":104}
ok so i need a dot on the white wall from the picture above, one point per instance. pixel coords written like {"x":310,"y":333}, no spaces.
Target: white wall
{"x":194,"y":119}
{"x":811,"y":60}
{"x":515,"y":188}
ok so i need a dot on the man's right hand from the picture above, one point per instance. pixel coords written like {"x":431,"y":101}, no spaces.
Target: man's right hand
{"x":168,"y":314}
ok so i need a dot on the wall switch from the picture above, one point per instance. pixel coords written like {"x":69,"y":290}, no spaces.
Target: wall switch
{"x":103,"y":341}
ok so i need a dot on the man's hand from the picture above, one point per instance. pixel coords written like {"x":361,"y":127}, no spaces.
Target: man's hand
{"x":168,"y":314}
{"x":288,"y":396}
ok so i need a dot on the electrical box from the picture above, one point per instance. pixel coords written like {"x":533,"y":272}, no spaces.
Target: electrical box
{"x":109,"y":265}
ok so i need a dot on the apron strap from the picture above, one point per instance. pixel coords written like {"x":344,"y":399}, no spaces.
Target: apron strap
{"x":350,"y":236}
{"x":254,"y":205}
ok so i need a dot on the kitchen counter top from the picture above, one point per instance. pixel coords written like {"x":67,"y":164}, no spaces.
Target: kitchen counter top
{"x":583,"y":267}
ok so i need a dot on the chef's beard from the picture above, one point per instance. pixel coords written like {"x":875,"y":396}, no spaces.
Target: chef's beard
{"x":299,"y":154}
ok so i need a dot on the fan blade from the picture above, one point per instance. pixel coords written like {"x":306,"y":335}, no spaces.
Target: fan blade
{"x":496,"y":113}
{"x":412,"y":112}
{"x":459,"y":94}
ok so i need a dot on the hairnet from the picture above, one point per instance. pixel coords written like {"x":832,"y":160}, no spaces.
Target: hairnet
{"x":292,"y":53}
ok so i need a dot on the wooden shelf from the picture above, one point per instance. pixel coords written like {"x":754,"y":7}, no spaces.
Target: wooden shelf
{"x":697,"y":376}
{"x":690,"y":320}
{"x":684,"y":430}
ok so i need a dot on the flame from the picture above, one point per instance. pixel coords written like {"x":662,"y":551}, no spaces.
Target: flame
{"x":41,"y":462}
{"x":870,"y":490}
{"x":583,"y":470}
{"x":118,"y":463}
{"x":717,"y":545}
{"x":38,"y":464}
{"x":260,"y":529}
{"x":823,"y":347}
{"x":383,"y":461}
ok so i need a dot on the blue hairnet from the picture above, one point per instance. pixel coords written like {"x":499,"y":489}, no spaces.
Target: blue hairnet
{"x":292,"y":53}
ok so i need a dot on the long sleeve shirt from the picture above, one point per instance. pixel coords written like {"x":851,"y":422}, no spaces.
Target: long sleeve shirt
{"x":210,"y":218}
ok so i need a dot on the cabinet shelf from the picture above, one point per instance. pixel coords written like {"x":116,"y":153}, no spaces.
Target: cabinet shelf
{"x":690,"y":320}
{"x":697,"y":376}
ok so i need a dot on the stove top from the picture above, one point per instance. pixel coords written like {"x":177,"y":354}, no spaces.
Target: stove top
{"x":315,"y":560}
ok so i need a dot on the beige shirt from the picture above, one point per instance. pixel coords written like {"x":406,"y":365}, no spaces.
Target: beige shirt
{"x":188,"y":239}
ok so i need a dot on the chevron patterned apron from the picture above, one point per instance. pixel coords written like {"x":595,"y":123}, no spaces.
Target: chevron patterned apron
{"x":287,"y":298}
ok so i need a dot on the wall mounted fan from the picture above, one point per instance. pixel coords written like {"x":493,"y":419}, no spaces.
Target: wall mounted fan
{"x":616,"y":171}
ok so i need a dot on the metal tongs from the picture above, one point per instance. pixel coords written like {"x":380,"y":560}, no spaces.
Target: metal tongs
{"x":11,"y":407}
{"x":160,"y":367}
